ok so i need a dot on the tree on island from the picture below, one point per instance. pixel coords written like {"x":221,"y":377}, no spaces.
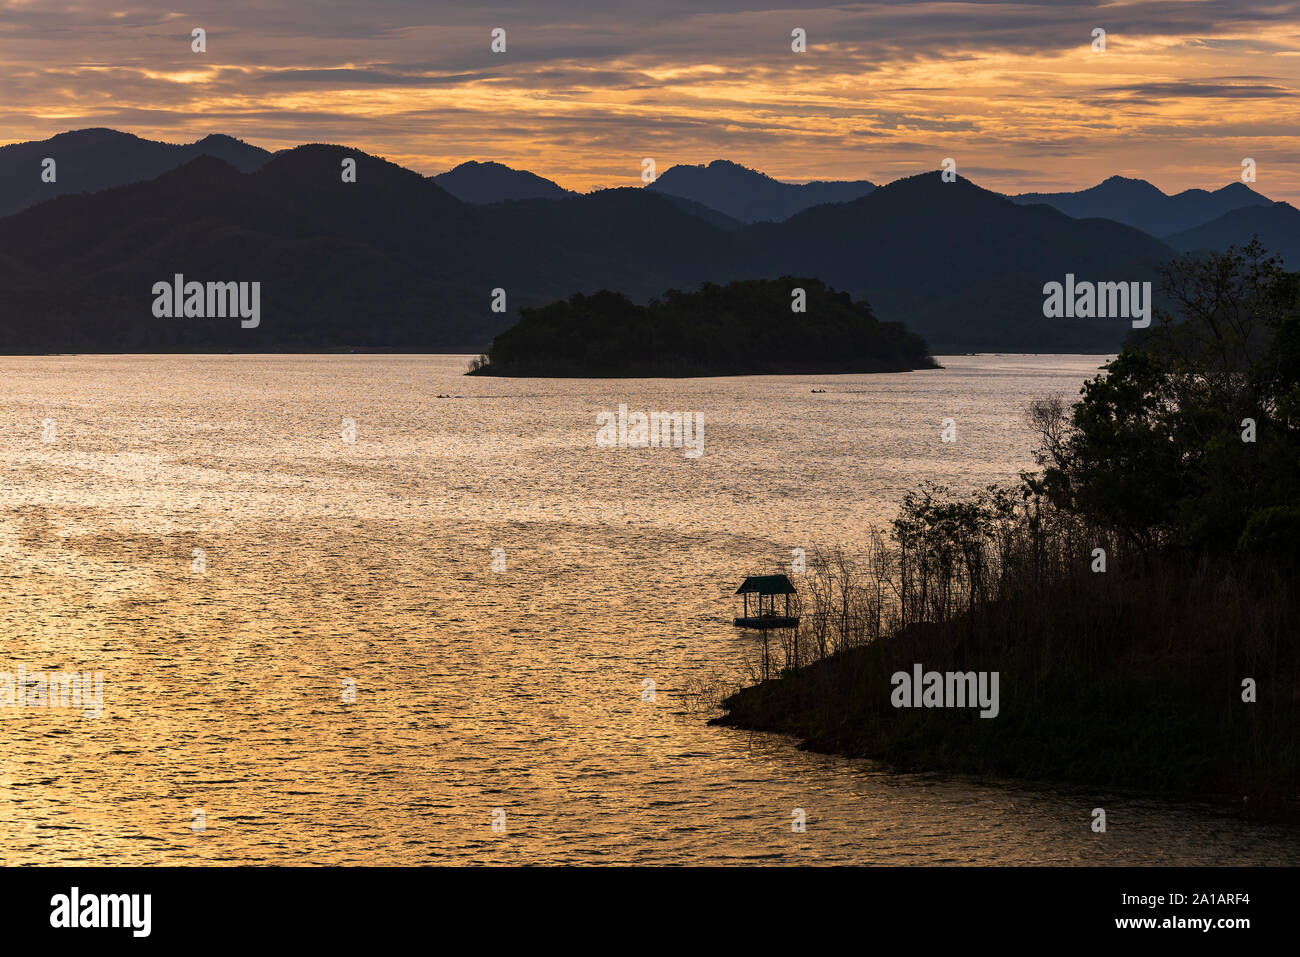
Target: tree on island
{"x":786,"y":325}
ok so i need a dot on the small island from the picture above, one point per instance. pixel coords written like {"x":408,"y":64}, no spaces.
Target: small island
{"x":785,"y":326}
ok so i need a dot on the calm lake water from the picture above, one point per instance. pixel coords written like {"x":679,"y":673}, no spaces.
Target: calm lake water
{"x":334,"y":568}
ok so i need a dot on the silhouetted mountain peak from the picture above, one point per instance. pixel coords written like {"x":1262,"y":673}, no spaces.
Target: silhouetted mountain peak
{"x":727,"y":166}
{"x":311,"y":158}
{"x":930,"y":187}
{"x":491,"y":182}
{"x":93,"y":135}
{"x":931,"y":179}
{"x":1135,"y":202}
{"x":243,"y":156}
{"x":1118,"y":180}
{"x":469,"y":165}
{"x":310,"y":153}
{"x":715,"y":170}
{"x":306,"y":170}
{"x":748,"y":195}
{"x":1237,"y":188}
{"x":223,"y":142}
{"x":1129,"y":187}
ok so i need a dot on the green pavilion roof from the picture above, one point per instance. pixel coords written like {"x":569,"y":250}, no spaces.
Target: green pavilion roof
{"x":766,"y":585}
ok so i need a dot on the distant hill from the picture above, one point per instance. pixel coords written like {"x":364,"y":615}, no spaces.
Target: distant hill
{"x":962,"y":266}
{"x":94,"y":159}
{"x":1137,"y":203}
{"x":1277,"y":226}
{"x":627,"y":239}
{"x":475,"y":182}
{"x":749,"y":196}
{"x":743,"y":328}
{"x":372,"y":264}
{"x":390,"y":262}
{"x":699,"y":210}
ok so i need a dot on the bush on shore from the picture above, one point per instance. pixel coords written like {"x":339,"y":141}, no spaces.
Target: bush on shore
{"x":1125,"y":593}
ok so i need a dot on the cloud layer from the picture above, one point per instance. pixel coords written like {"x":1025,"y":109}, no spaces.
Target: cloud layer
{"x":1012,"y":90}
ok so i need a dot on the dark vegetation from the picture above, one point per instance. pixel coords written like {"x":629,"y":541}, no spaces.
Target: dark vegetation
{"x":743,"y":328}
{"x":1128,"y":676}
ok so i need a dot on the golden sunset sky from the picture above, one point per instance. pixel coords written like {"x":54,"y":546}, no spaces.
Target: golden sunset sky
{"x":1013,"y":91}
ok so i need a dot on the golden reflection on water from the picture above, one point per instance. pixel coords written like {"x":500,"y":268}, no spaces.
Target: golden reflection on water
{"x":329,"y":565}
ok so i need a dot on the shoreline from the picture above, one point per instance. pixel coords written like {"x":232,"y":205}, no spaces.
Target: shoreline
{"x":840,"y":706}
{"x":1274,"y":809}
{"x":565,"y":372}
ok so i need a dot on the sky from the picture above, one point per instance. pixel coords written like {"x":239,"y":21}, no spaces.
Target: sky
{"x":1014,"y":92}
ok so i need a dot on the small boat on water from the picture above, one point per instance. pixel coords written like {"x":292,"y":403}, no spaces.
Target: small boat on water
{"x":766,"y":589}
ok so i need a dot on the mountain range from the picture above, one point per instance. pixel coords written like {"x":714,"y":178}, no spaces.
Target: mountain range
{"x":749,"y":196}
{"x":95,"y":159}
{"x":1137,"y":203}
{"x":399,"y":261}
{"x":1277,"y":226}
{"x":735,"y":193}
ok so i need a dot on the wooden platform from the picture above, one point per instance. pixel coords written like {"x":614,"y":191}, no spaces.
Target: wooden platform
{"x":767,"y":621}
